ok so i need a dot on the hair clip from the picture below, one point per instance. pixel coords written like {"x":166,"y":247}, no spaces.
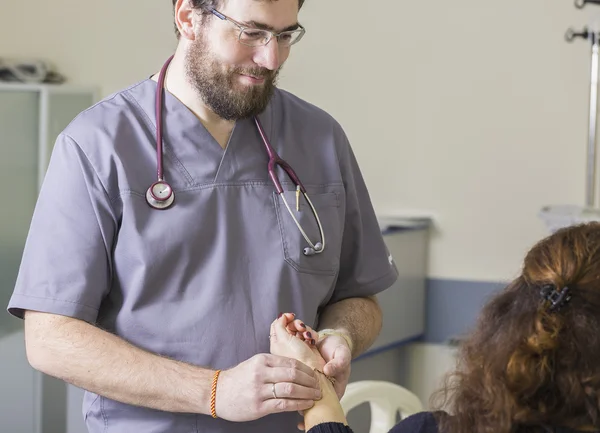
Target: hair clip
{"x":556,"y":298}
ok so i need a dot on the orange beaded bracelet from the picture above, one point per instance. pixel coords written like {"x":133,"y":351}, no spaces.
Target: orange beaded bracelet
{"x":213,"y":394}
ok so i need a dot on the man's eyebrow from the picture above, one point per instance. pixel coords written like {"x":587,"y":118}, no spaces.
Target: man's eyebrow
{"x":264,"y":26}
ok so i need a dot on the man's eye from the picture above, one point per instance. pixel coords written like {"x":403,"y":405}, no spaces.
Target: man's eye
{"x":254,"y":34}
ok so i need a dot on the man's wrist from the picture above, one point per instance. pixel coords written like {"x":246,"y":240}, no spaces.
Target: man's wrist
{"x":323,"y":333}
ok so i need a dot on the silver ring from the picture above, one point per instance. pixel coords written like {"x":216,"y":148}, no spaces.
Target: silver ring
{"x":273,"y":390}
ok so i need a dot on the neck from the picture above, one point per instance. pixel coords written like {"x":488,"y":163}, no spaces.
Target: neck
{"x":177,"y":84}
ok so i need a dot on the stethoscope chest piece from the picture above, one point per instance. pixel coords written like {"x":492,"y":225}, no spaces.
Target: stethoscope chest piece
{"x":160,"y":195}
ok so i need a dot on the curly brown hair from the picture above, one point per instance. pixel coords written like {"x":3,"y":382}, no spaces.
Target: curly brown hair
{"x":526,"y":367}
{"x":207,"y":5}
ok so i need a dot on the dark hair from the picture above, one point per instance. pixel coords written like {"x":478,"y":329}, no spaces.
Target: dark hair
{"x":526,"y":366}
{"x":207,"y":5}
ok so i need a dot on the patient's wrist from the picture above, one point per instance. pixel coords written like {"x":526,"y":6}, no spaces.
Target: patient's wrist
{"x":313,"y":363}
{"x":327,"y":409}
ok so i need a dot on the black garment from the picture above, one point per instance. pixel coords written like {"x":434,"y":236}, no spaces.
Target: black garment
{"x":422,"y":422}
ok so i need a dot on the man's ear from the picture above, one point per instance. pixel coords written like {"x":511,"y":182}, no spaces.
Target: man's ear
{"x":184,"y":19}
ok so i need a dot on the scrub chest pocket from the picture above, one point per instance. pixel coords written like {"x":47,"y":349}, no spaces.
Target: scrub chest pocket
{"x":329,"y":211}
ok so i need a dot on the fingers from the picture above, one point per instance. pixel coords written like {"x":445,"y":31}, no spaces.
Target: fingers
{"x":289,"y":391}
{"x":293,"y":327}
{"x":340,"y":362}
{"x":341,"y":374}
{"x":286,"y":318}
{"x":291,"y":371}
{"x":310,"y":337}
{"x":290,"y":364}
{"x":286,"y":405}
{"x":334,"y":368}
{"x":278,"y":326}
{"x":302,"y":331}
{"x":301,"y":425}
{"x":291,"y":386}
{"x":340,"y":389}
{"x":296,"y":325}
{"x":298,"y":328}
{"x":294,"y":376}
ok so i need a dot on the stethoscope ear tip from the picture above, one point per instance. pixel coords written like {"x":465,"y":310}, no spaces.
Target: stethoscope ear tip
{"x":309,"y":251}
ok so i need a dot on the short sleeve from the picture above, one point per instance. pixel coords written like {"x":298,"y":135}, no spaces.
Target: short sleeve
{"x":66,"y":264}
{"x":366,"y":266}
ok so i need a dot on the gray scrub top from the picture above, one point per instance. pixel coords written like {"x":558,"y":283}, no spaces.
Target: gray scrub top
{"x":200,"y":282}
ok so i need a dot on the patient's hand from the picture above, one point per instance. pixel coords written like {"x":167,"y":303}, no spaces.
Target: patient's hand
{"x":293,"y":339}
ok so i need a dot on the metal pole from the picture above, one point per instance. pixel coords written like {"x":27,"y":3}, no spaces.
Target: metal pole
{"x":593,"y":122}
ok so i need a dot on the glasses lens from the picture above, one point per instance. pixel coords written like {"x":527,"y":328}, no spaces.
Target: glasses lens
{"x":290,"y":38}
{"x":254,"y":37}
{"x":257,"y":37}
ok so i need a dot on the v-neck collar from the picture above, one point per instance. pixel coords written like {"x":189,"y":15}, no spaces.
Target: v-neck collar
{"x":189,"y":144}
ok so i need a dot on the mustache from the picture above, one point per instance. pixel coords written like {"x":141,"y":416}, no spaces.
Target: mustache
{"x":256,"y":72}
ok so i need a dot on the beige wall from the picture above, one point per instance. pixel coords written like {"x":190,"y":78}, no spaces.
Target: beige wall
{"x":106,"y":43}
{"x":473,"y":111}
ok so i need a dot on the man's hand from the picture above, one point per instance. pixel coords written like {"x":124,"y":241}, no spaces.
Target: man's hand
{"x":245,"y":392}
{"x":336,"y":353}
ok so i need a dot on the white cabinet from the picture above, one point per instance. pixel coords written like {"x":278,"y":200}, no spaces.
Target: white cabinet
{"x":31,"y":117}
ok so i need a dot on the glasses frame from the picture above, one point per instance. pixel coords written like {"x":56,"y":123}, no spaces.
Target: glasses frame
{"x":300,"y":30}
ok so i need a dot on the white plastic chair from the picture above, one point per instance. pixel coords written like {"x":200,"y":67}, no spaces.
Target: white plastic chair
{"x":386,"y":399}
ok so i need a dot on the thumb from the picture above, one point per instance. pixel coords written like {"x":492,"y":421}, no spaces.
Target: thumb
{"x":338,"y":363}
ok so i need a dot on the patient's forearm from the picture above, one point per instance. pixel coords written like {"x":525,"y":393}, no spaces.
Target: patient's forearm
{"x":328,"y":409}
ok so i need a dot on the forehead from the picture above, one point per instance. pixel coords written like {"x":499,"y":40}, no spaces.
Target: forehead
{"x":277,"y":14}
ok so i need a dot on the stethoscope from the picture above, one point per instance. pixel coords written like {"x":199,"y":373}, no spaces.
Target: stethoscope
{"x":160,"y":195}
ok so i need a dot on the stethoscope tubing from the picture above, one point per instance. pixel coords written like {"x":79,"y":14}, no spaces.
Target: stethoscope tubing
{"x":274,"y":161}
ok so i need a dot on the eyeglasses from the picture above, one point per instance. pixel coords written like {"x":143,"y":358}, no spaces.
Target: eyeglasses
{"x":259,"y":37}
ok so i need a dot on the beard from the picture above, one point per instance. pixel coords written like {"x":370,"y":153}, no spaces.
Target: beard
{"x":219,"y":87}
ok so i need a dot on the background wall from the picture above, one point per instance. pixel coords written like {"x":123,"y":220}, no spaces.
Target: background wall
{"x":110,"y":44}
{"x":473,"y":111}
